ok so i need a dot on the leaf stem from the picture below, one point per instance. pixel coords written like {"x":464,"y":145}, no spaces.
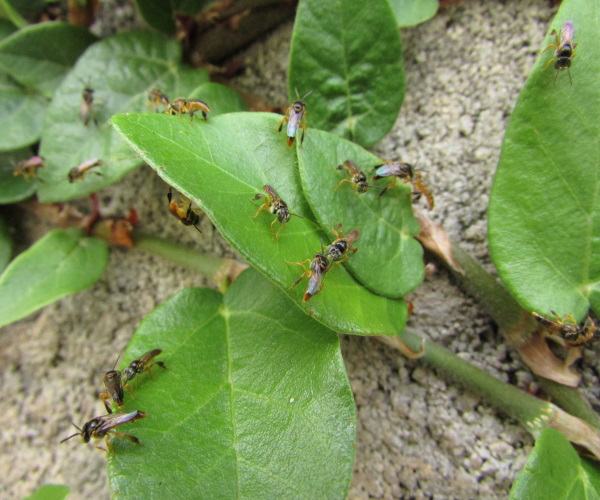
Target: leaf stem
{"x":221,"y":270}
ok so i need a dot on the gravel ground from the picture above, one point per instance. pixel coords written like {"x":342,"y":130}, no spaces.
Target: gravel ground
{"x":419,"y":435}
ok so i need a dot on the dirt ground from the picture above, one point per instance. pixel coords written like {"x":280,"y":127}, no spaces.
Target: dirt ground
{"x":419,"y":435}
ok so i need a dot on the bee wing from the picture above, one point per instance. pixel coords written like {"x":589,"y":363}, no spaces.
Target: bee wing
{"x":150,"y":354}
{"x":113,"y":420}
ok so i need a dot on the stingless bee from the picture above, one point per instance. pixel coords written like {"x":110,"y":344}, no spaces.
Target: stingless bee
{"x":140,"y":365}
{"x":564,"y":50}
{"x":114,"y":389}
{"x":28,"y":168}
{"x":568,"y":329}
{"x":276,"y":206}
{"x":80,"y":171}
{"x":102,"y":428}
{"x":294,"y":116}
{"x":319,"y":266}
{"x":189,"y":107}
{"x":183,"y":211}
{"x":406,"y":172}
{"x":156,"y":98}
{"x":87,"y":111}
{"x":356,"y":176}
{"x":338,"y":250}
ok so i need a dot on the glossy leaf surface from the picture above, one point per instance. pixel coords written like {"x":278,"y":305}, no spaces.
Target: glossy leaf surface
{"x":24,"y":112}
{"x":221,"y":164}
{"x":254,"y":403}
{"x":350,"y":55}
{"x":389,"y":260}
{"x":39,"y":56}
{"x":121,"y":70}
{"x":412,"y":12}
{"x":544,"y":215}
{"x":62,"y":262}
{"x":14,"y":188}
{"x":555,"y":470}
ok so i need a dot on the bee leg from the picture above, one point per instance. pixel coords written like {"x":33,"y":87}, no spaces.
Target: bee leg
{"x":131,"y":438}
{"x":105,"y":397}
{"x":304,"y":126}
{"x":549,"y":63}
{"x":284,"y":120}
{"x":264,"y":206}
{"x":341,"y":182}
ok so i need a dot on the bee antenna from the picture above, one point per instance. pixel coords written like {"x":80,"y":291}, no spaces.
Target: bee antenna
{"x":297,"y":215}
{"x":306,"y":95}
{"x":297,"y":95}
{"x":72,"y":435}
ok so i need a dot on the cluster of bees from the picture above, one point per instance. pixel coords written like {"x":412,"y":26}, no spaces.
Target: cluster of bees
{"x":115,"y":381}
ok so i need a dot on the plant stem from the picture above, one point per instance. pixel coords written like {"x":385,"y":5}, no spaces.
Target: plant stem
{"x":516,"y":323}
{"x":221,"y":270}
{"x":533,"y":413}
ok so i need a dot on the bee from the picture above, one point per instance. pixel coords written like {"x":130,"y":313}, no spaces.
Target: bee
{"x":406,"y":172}
{"x":568,"y":329}
{"x":157,"y":98}
{"x":80,"y":171}
{"x":102,"y":428}
{"x":114,"y":388}
{"x":356,"y":176}
{"x":294,"y":116}
{"x":319,"y":266}
{"x":564,"y":50}
{"x":28,"y":168}
{"x":184,"y":211}
{"x":140,"y":365}
{"x":276,"y":206}
{"x":338,"y":250}
{"x":87,"y":111}
{"x":188,"y":106}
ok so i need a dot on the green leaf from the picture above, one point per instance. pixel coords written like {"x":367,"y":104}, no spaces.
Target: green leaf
{"x":544,"y":209}
{"x":6,"y":27}
{"x":413,"y":12}
{"x":158,"y":14}
{"x":24,"y":112}
{"x":554,"y":470}
{"x":39,"y":56}
{"x":390,"y":260}
{"x":349,"y":54}
{"x":8,"y":12}
{"x":254,"y":402}
{"x":225,"y":100}
{"x":50,"y":492}
{"x":62,"y":262}
{"x":121,"y":70}
{"x":221,"y":164}
{"x":6,"y":244}
{"x":15,"y":188}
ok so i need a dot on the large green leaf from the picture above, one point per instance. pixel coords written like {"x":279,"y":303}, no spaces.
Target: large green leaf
{"x":121,"y":70}
{"x":390,"y":260}
{"x":349,"y":54}
{"x":39,"y":56}
{"x":544,"y":215}
{"x":412,"y":12}
{"x":62,"y":262}
{"x":6,"y":28}
{"x":223,"y":163}
{"x":23,"y":111}
{"x":6,"y":244}
{"x":254,"y":403}
{"x":15,"y":188}
{"x":554,"y":470}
